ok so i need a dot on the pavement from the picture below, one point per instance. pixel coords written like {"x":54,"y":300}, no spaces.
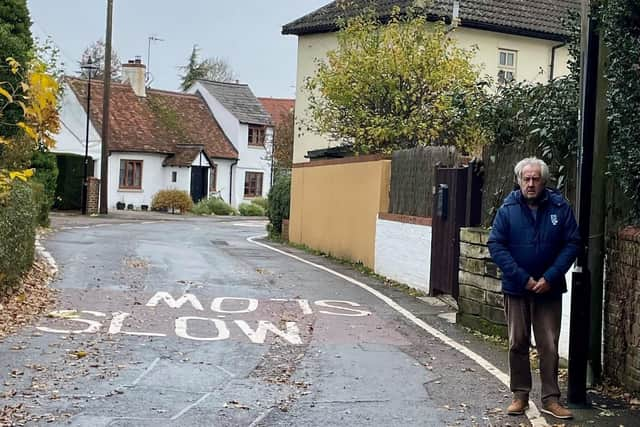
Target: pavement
{"x":181,"y":320}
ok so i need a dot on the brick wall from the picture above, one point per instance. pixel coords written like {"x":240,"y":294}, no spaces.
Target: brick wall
{"x":480,"y":303}
{"x":93,"y":195}
{"x":622,"y":309}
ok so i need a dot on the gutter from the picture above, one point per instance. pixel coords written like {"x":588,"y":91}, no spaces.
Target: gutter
{"x":553,"y":60}
{"x":231,"y":179}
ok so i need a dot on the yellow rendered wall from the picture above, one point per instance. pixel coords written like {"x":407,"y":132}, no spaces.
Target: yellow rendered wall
{"x":334,"y":207}
{"x":533,"y":64}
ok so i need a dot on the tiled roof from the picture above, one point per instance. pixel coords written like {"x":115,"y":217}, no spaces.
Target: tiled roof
{"x":534,"y":18}
{"x":159,"y":123}
{"x":183,"y":155}
{"x":239,"y":100}
{"x":278,"y":108}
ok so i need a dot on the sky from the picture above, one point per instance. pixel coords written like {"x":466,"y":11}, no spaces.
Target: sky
{"x":245,"y":33}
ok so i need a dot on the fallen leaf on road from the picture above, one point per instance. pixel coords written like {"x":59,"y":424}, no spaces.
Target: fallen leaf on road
{"x":80,"y":354}
{"x":234,"y":404}
{"x":64,"y":314}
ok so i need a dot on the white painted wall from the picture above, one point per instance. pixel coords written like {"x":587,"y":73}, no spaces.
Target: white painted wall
{"x":72,"y":135}
{"x":403,"y":253}
{"x":250,"y":159}
{"x":154,"y":178}
{"x":533,"y":55}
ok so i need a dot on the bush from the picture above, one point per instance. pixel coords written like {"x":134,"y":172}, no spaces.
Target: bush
{"x":263,"y":202}
{"x":17,"y":233}
{"x":250,"y":209}
{"x":46,"y":167}
{"x":213,"y":206}
{"x":41,"y":202}
{"x":279,"y":199}
{"x":172,"y":200}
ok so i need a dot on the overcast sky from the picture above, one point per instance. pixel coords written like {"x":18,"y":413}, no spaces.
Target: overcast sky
{"x":246,"y":33}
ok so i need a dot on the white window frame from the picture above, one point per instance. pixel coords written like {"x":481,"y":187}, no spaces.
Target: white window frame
{"x":504,"y":67}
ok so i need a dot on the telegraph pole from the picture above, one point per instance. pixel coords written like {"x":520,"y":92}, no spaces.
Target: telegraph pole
{"x":106,"y":98}
{"x":579,"y":335}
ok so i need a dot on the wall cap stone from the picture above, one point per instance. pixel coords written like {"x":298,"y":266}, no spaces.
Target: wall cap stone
{"x":630,"y":233}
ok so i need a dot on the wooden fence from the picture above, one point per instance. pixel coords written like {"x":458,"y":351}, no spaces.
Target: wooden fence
{"x":412,"y":178}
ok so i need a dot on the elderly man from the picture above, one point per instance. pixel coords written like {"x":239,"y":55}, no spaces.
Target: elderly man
{"x":534,"y":241}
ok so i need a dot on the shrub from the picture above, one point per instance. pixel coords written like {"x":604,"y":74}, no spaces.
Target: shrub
{"x":263,"y":202}
{"x":41,"y":203}
{"x":213,"y":206}
{"x":172,"y":200}
{"x":279,"y":199}
{"x":250,"y":209}
{"x":17,"y":233}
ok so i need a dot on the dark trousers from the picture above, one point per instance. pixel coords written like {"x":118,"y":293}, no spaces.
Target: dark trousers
{"x":546,"y":317}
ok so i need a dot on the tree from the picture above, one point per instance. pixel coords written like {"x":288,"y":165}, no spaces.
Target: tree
{"x":16,"y":43}
{"x":283,"y":142}
{"x":96,"y":51}
{"x":216,"y":69}
{"x":395,"y":85}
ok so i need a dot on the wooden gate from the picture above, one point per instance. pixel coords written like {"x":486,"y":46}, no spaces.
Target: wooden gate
{"x":456,"y":203}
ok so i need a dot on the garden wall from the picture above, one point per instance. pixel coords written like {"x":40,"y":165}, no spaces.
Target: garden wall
{"x":622,"y":313}
{"x":403,"y":249}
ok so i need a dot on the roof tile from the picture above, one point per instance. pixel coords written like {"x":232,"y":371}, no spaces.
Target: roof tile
{"x":158,"y":123}
{"x":239,"y":100}
{"x":539,"y":18}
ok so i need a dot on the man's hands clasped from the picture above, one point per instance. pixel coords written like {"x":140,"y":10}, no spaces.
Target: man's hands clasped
{"x":539,"y":287}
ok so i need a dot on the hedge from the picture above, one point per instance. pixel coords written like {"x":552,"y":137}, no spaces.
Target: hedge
{"x":279,"y":200}
{"x":17,"y":233}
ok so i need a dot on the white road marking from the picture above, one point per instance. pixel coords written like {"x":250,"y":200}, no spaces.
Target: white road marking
{"x":47,"y":257}
{"x":533,"y":414}
{"x":231,"y":374}
{"x":142,"y":375}
{"x":197,"y":402}
{"x":261,"y":417}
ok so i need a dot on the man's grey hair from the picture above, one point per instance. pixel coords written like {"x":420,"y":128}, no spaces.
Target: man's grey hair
{"x":532,"y":161}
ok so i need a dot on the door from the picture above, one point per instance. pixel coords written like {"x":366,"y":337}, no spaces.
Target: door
{"x":199,"y":176}
{"x":456,"y":204}
{"x":69,"y":182}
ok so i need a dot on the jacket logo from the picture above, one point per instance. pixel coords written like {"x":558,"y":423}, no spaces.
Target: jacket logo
{"x":554,"y":219}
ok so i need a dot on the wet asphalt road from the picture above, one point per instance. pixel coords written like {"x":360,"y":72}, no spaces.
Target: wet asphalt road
{"x":256,"y":339}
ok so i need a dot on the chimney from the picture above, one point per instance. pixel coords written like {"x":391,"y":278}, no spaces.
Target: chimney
{"x":134,"y":72}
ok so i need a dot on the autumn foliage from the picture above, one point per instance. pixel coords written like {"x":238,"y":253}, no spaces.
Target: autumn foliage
{"x":395,"y":85}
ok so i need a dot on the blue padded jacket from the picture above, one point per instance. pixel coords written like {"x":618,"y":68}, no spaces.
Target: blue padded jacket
{"x":524,"y":246}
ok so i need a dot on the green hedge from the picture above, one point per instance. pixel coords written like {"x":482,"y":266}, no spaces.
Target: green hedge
{"x":46,"y":168}
{"x":212,"y":206}
{"x":17,"y":233}
{"x":251,"y":209}
{"x":279,"y":199}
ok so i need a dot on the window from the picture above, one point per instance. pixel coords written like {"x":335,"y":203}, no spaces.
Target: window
{"x":253,"y":184}
{"x":131,"y":174}
{"x":174,"y":176}
{"x":507,"y":62}
{"x":213,"y":182}
{"x":256,"y":136}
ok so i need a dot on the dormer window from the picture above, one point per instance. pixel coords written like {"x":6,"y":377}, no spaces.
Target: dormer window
{"x":256,"y":136}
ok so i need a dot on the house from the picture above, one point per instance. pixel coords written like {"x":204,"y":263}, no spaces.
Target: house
{"x":281,"y":110}
{"x":248,"y":127}
{"x":159,"y":140}
{"x":516,"y":39}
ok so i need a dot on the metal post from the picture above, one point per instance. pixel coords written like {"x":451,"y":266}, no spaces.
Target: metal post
{"x":104,"y":160}
{"x":89,"y":67}
{"x":83,"y":202}
{"x":580,"y":290}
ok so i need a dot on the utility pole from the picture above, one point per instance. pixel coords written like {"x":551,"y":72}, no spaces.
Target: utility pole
{"x":579,"y":335}
{"x":106,"y":98}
